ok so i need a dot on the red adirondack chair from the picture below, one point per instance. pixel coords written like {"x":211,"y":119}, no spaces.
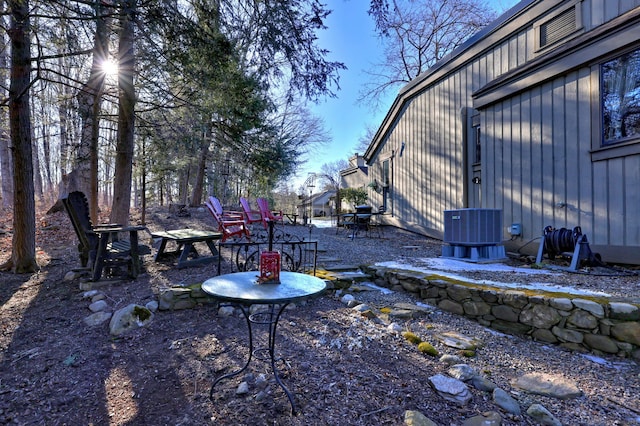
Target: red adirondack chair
{"x":250,"y":216}
{"x":267,"y":214}
{"x":231,"y":224}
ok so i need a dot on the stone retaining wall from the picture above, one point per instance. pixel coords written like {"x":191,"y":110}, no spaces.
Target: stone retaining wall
{"x":576,"y":322}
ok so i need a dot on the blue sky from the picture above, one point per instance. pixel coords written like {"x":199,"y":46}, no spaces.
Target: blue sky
{"x":351,"y":39}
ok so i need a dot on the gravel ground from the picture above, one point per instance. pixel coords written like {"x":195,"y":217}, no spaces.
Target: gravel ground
{"x":342,"y":367}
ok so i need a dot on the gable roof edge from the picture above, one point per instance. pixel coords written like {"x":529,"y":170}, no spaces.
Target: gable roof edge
{"x":407,"y":92}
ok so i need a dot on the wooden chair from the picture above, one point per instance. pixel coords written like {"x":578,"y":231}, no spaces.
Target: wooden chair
{"x":231,"y":224}
{"x":99,"y":246}
{"x":250,"y":216}
{"x":267,"y":214}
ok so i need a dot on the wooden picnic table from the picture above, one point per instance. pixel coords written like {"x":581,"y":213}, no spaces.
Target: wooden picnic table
{"x":185,"y":240}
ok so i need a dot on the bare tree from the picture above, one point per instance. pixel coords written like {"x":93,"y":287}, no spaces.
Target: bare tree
{"x":330,"y":173}
{"x":23,"y":254}
{"x":6,"y":166}
{"x":417,"y":34}
{"x":365,"y":140}
{"x":126,"y":115}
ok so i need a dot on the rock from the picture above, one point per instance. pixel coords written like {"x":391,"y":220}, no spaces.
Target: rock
{"x":152,"y":306}
{"x":506,"y":313}
{"x":416,"y":418}
{"x":451,"y":306}
{"x":565,"y":335}
{"x":97,"y":318}
{"x":517,"y":299}
{"x":548,"y":385}
{"x":540,"y":316}
{"x":451,"y":389}
{"x":589,"y":306}
{"x":561,"y":303}
{"x":450,"y":359}
{"x":98,"y":306}
{"x":544,"y":336}
{"x":413,"y":307}
{"x":483,"y":384}
{"x":462,"y":372}
{"x":474,"y":308}
{"x":582,"y":319}
{"x":402,"y":313}
{"x":624,"y":311}
{"x":627,"y":332}
{"x":261,"y":382}
{"x":542,"y":415}
{"x":72,"y":276}
{"x":129,"y":318}
{"x":90,"y":294}
{"x":601,"y":343}
{"x":395,"y":328}
{"x":243,"y":388}
{"x":458,"y":293}
{"x":226,"y":311}
{"x":347,"y":298}
{"x":489,"y":418}
{"x":361,"y":307}
{"x":458,"y":341}
{"x":506,"y":401}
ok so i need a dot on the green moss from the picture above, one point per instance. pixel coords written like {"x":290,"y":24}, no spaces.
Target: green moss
{"x":385,"y":310}
{"x":412,"y":337}
{"x":142,"y":313}
{"x":427,"y":348}
{"x":468,"y":353}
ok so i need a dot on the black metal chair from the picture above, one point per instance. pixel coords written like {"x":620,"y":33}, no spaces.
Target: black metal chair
{"x":375,"y":222}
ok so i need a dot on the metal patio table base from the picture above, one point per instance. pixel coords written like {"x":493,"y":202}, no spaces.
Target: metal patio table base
{"x":269,"y":318}
{"x":242,"y":290}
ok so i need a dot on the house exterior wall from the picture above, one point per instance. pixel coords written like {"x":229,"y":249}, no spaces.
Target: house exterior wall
{"x":539,"y":119}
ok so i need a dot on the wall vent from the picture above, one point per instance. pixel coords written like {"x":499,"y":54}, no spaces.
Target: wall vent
{"x":558,"y":28}
{"x":473,"y":227}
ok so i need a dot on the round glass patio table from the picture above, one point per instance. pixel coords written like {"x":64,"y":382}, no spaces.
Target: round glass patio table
{"x":241,"y":289}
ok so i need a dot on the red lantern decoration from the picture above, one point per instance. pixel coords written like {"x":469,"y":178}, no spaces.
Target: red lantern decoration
{"x":269,"y":267}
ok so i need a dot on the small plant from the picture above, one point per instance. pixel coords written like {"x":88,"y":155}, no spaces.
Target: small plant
{"x":468,"y":353}
{"x":354,"y":196}
{"x":427,"y":348}
{"x":411,"y":337}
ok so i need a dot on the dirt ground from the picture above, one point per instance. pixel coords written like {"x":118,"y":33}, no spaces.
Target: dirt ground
{"x":342,"y":368}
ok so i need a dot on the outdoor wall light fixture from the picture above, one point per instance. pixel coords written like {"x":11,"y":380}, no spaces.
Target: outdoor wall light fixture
{"x":401,"y":149}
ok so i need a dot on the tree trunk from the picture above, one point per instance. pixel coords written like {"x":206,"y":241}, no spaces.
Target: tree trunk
{"x":23,"y":256}
{"x":89,"y":105}
{"x":198,"y":186}
{"x":6,"y":165}
{"x":37,"y":175}
{"x":126,"y":116}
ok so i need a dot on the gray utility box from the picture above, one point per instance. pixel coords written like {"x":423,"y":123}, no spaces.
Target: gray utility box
{"x":473,"y":234}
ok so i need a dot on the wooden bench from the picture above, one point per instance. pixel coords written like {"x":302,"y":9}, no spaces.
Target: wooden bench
{"x":185,"y":240}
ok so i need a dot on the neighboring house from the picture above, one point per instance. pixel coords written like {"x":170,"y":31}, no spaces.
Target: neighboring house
{"x":356,"y":175}
{"x":321,"y":204}
{"x":537,"y":115}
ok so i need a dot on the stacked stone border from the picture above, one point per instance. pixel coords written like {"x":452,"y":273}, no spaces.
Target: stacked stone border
{"x":581,"y":323}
